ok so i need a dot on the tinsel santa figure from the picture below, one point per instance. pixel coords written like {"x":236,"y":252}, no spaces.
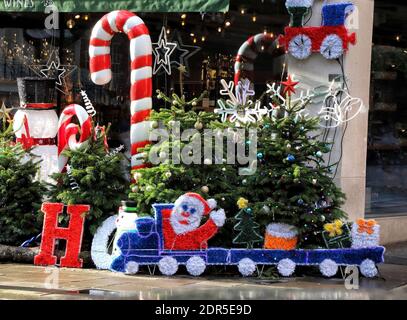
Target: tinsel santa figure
{"x":182,"y":225}
{"x":36,"y":122}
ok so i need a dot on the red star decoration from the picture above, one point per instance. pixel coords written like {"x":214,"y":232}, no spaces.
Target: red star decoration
{"x":289,"y":86}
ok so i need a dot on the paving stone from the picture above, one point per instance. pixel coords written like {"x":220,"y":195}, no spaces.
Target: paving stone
{"x":32,"y":282}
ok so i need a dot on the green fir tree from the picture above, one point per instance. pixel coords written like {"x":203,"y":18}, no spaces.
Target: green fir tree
{"x":20,"y":193}
{"x":171,"y":177}
{"x":95,"y":177}
{"x":292,"y":183}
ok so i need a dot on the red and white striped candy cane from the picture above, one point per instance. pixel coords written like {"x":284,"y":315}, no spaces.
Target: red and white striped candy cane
{"x":141,"y":71}
{"x":67,"y":131}
{"x":249,"y":51}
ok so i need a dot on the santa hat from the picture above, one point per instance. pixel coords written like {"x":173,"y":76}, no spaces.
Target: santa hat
{"x":194,"y":199}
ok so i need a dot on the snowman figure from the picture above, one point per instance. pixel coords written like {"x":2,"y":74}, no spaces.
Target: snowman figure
{"x":36,"y":123}
{"x":182,"y":227}
{"x":125,"y":222}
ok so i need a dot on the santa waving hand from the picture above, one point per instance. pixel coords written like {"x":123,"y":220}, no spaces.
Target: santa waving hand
{"x":182,"y":225}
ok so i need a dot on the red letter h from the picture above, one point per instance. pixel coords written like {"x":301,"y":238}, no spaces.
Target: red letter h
{"x":72,"y":235}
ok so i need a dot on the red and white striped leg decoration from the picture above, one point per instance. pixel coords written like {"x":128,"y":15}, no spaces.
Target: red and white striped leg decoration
{"x":141,"y":71}
{"x":249,"y":51}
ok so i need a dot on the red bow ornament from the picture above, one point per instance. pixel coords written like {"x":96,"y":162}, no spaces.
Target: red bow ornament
{"x":26,"y":141}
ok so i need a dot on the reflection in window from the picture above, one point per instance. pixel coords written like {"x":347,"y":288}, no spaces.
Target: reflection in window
{"x":386,"y":183}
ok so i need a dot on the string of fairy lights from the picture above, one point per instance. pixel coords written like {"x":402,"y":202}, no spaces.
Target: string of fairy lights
{"x":14,"y":50}
{"x":226,"y":22}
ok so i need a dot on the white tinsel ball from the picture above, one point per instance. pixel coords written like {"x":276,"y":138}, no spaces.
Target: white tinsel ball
{"x":207,"y":162}
{"x":246,"y":267}
{"x":368,"y":268}
{"x":314,"y":181}
{"x":266,"y":209}
{"x":196,"y":266}
{"x":328,"y":268}
{"x":198,"y":125}
{"x":286,"y":267}
{"x":168,"y":174}
{"x":168,"y":266}
{"x":154,"y":124}
{"x":137,"y":176}
{"x":212,"y":203}
{"x":132,"y":267}
{"x":205,"y":189}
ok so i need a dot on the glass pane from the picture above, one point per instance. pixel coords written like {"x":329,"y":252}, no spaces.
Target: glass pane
{"x":386,"y":188}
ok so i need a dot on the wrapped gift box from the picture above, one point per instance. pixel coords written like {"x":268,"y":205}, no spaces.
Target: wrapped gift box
{"x":365,"y":234}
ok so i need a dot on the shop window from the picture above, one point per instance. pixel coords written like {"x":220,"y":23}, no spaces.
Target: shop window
{"x":386,"y":185}
{"x":217,"y":41}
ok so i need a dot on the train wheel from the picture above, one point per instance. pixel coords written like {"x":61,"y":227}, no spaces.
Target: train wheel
{"x":328,"y":268}
{"x":196,"y":266}
{"x":368,"y":268}
{"x":286,"y":267}
{"x":168,"y":266}
{"x":132,"y":267}
{"x":246,"y":267}
{"x":332,"y":47}
{"x":300,"y":47}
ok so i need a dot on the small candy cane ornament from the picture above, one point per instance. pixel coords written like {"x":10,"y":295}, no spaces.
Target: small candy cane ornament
{"x":67,"y":131}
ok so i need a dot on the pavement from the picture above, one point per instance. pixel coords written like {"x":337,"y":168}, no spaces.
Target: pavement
{"x":396,"y":253}
{"x":22,"y":281}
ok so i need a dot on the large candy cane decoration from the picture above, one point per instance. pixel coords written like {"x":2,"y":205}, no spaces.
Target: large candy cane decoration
{"x":141,"y":71}
{"x":67,"y":131}
{"x":249,"y":51}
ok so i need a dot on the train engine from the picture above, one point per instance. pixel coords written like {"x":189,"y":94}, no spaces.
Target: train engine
{"x":331,"y":39}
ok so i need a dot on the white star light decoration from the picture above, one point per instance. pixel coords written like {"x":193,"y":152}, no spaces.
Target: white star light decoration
{"x":183,"y":52}
{"x":54,"y":69}
{"x":162,"y":51}
{"x":238,"y":108}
